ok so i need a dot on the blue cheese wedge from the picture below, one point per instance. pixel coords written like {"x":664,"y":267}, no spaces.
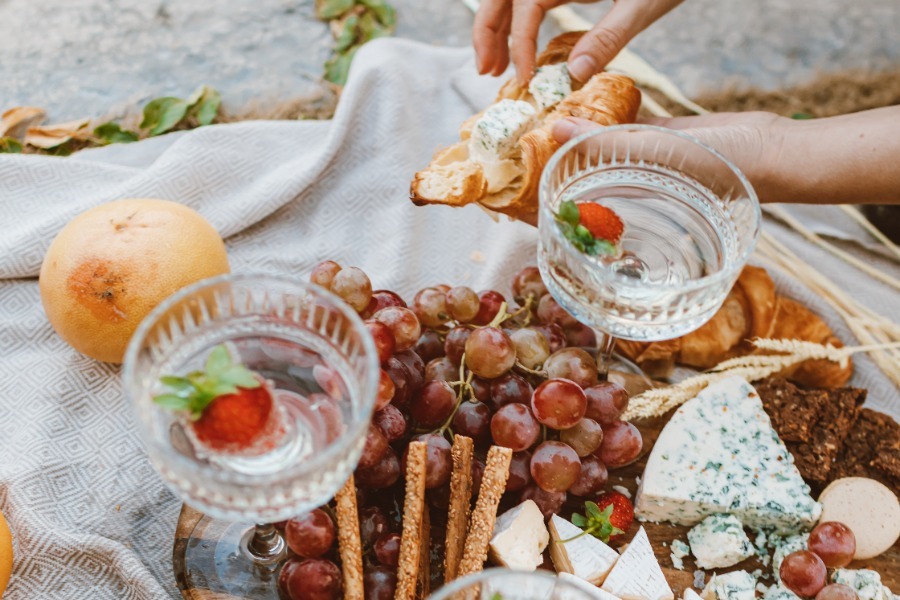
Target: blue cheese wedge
{"x":865,"y":582}
{"x":550,"y":84}
{"x":581,"y":555}
{"x":719,"y":541}
{"x":785,"y":546}
{"x":637,"y":575}
{"x":720,"y":454}
{"x":679,"y":551}
{"x":520,"y":538}
{"x":497,"y":131}
{"x":779,"y":592}
{"x":737,"y":585}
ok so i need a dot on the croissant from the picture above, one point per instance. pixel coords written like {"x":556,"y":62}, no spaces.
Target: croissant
{"x":752,"y":309}
{"x":455,"y":178}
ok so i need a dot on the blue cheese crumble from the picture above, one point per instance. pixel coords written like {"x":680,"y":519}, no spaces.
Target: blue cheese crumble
{"x":679,"y":551}
{"x":550,"y":84}
{"x":719,"y":541}
{"x":779,"y":592}
{"x":737,"y":585}
{"x":865,"y":582}
{"x":785,"y":546}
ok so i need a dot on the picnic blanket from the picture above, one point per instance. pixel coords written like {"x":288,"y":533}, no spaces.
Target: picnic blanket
{"x":91,"y":518}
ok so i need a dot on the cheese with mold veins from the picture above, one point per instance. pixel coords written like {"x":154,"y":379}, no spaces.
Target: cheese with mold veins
{"x":737,"y":585}
{"x":719,"y":541}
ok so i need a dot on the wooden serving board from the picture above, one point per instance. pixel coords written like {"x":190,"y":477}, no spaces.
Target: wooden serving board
{"x":661,"y":537}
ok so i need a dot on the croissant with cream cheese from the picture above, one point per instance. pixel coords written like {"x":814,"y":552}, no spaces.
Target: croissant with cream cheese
{"x":455,"y":177}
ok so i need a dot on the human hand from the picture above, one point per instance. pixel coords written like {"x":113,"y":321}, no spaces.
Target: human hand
{"x":497,"y":20}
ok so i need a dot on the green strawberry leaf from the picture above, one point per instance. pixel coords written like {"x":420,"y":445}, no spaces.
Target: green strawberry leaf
{"x":568,"y":212}
{"x":172,"y":402}
{"x":218,"y":362}
{"x":179,"y":384}
{"x":112,"y":133}
{"x":162,"y":114}
{"x":240,"y":376}
{"x":596,"y":522}
{"x":592,"y":510}
{"x":10,"y":145}
{"x":579,"y":520}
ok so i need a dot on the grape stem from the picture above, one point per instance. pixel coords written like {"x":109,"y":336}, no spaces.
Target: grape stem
{"x":521,"y":367}
{"x":499,"y":317}
{"x":464,"y":383}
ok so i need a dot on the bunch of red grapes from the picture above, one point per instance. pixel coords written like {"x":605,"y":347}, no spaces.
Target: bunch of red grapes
{"x":513,"y":374}
{"x":831,"y":546}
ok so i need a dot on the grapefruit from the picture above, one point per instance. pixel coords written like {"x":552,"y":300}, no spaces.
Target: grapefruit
{"x":6,"y":554}
{"x":114,"y":263}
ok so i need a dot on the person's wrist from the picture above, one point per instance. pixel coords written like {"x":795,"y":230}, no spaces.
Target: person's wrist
{"x":771,"y":175}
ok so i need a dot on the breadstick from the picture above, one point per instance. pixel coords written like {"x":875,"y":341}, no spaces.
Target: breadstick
{"x":349,"y":541}
{"x":424,"y":585}
{"x":413,"y":507}
{"x":481,"y":528}
{"x":460,"y":505}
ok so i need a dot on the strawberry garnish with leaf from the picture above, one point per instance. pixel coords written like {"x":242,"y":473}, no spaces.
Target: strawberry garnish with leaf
{"x":230,"y":409}
{"x":591,"y":227}
{"x":608,"y":518}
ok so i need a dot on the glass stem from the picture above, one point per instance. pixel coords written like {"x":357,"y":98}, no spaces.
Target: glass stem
{"x":266,"y":546}
{"x":604,"y":355}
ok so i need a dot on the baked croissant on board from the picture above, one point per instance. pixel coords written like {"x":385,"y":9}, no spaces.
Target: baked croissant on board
{"x":508,"y":182}
{"x":751,"y":310}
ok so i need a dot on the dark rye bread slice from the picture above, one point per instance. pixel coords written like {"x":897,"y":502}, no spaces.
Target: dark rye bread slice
{"x":794,"y":412}
{"x":871,"y":450}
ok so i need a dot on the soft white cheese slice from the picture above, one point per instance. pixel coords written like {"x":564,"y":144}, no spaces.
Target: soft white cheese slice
{"x":719,"y":541}
{"x":690,"y":594}
{"x":720,"y":454}
{"x":592,"y":590}
{"x":520,"y":538}
{"x":637,"y":575}
{"x":582,"y":555}
{"x":497,"y":131}
{"x":737,"y":585}
{"x":550,"y":84}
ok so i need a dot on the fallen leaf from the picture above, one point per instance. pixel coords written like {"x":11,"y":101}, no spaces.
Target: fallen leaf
{"x":332,"y":9}
{"x":52,"y":136}
{"x":10,"y":145}
{"x":112,"y":133}
{"x":337,"y":67}
{"x":15,"y":122}
{"x":162,"y":114}
{"x":206,"y":107}
{"x":384,"y":12}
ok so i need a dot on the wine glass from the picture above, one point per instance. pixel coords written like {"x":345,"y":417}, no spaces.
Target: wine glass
{"x":508,"y":584}
{"x":691,"y":220}
{"x":315,"y":358}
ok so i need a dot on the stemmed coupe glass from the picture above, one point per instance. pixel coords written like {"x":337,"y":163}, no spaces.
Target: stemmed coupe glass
{"x":507,"y":584}
{"x":320,"y":367}
{"x":691,"y":220}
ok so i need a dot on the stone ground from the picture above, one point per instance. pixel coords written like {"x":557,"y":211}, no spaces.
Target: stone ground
{"x":80,"y":58}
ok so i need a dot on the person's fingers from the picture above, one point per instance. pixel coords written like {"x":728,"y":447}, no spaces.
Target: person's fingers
{"x":503,"y":47}
{"x":526,"y":21}
{"x":570,"y":127}
{"x":601,"y":44}
{"x":490,"y":33}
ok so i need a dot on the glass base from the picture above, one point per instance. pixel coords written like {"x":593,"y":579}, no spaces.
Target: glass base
{"x":217,"y":560}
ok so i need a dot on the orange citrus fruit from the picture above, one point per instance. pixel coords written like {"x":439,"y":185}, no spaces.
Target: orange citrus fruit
{"x":114,"y":263}
{"x":6,"y":554}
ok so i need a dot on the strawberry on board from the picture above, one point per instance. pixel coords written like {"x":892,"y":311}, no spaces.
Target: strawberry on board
{"x":231,"y":411}
{"x":591,"y":227}
{"x":608,"y":518}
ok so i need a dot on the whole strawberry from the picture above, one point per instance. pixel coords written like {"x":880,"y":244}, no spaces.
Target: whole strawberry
{"x":622,"y":514}
{"x":591,"y":227}
{"x":230,"y":410}
{"x":602,"y":222}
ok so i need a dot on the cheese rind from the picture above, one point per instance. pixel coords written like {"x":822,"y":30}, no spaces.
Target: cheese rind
{"x":720,"y":454}
{"x":585,"y":587}
{"x":719,"y":541}
{"x":583,"y":556}
{"x":737,"y":585}
{"x":637,"y":575}
{"x":550,"y":84}
{"x":520,"y":537}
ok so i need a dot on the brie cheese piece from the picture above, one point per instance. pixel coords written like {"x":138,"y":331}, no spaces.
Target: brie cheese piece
{"x":497,"y":131}
{"x":737,"y":585}
{"x":520,"y":538}
{"x":720,"y":454}
{"x":550,"y":84}
{"x":719,"y":541}
{"x":584,"y":586}
{"x":637,"y":575}
{"x":582,"y":555}
{"x":865,"y":582}
{"x":690,"y":594}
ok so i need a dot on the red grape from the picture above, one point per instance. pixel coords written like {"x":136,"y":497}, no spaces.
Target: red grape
{"x":373,"y":523}
{"x":383,"y":475}
{"x":374,"y":449}
{"x":528,"y":282}
{"x":555,"y":466}
{"x":455,"y":343}
{"x":803,"y":573}
{"x":430,"y":305}
{"x":834,"y":543}
{"x":513,"y":426}
{"x":324,"y":272}
{"x":573,"y":364}
{"x":463,"y":304}
{"x":532,"y":348}
{"x":286,"y":569}
{"x":489,"y":352}
{"x":381,"y":299}
{"x":380,"y":583}
{"x":549,"y":503}
{"x":549,"y":311}
{"x":387,"y":549}
{"x":415,"y":366}
{"x":430,"y":346}
{"x":585,"y":437}
{"x":837,"y":591}
{"x":558,"y":403}
{"x":433,"y":404}
{"x":519,"y":471}
{"x":481,"y":389}
{"x":404,"y":325}
{"x":508,"y":389}
{"x":400,"y":375}
{"x":622,"y":443}
{"x":441,"y":369}
{"x":581,"y":336}
{"x":606,"y":402}
{"x":473,"y":419}
{"x":353,"y":286}
{"x":310,"y":535}
{"x":385,"y":391}
{"x":592,"y":478}
{"x":391,"y":422}
{"x":554,"y":334}
{"x":314,"y":579}
{"x":438,"y":462}
{"x":489,"y":303}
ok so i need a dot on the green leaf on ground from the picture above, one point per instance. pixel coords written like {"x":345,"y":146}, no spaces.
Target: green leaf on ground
{"x":162,"y":114}
{"x":370,"y":28}
{"x":112,"y":133}
{"x":10,"y":145}
{"x":347,"y":37}
{"x":204,"y":104}
{"x":337,"y":67}
{"x":383,"y":11}
{"x":327,"y":10}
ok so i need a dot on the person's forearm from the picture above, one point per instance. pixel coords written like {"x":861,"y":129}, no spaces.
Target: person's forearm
{"x":838,"y":160}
